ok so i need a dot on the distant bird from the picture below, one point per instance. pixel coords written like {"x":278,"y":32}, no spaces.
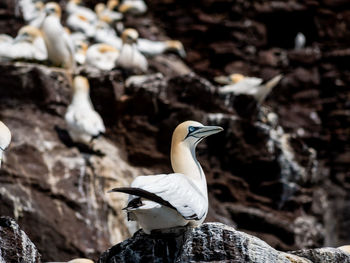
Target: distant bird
{"x":80,"y":23}
{"x":170,"y":200}
{"x":345,"y":248}
{"x":80,"y":260}
{"x":251,"y":86}
{"x":107,"y":13}
{"x":80,"y":48}
{"x":299,"y":42}
{"x":102,"y":56}
{"x":130,"y":57}
{"x":230,"y":79}
{"x":59,"y":45}
{"x":5,"y":139}
{"x":28,"y":45}
{"x":133,"y":6}
{"x":106,"y":34}
{"x":75,"y":7}
{"x":152,"y":48}
{"x":84,"y":123}
{"x":4,"y":38}
{"x":39,"y":15}
{"x":30,"y":9}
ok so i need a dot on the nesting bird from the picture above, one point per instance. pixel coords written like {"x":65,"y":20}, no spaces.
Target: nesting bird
{"x":107,"y":13}
{"x":81,"y":48}
{"x":130,"y":57}
{"x":299,"y":42}
{"x":74,"y":7}
{"x":170,"y":200}
{"x":106,"y":34}
{"x":102,"y":56}
{"x":59,"y":45}
{"x":79,"y":22}
{"x":5,"y":139}
{"x":28,"y":45}
{"x":84,"y":123}
{"x":133,"y":6}
{"x":250,"y":86}
{"x":152,"y":48}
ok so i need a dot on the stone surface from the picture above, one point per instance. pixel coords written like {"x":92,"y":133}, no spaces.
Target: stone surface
{"x":211,"y":242}
{"x":15,"y":245}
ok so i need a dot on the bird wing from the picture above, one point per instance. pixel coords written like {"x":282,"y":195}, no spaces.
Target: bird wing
{"x":173,"y":190}
{"x":247,"y":86}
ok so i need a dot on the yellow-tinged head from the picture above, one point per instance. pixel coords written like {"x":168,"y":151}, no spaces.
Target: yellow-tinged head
{"x":77,"y":2}
{"x":82,"y":18}
{"x":175,"y":45}
{"x":112,"y":4}
{"x":28,"y":33}
{"x":130,"y":36}
{"x":99,"y":8}
{"x":52,"y":8}
{"x":81,"y":47}
{"x":124,"y":8}
{"x":81,"y":84}
{"x":104,"y":48}
{"x":235,"y":78}
{"x":39,"y":5}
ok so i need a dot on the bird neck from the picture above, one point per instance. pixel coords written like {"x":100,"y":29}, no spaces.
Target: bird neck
{"x":81,"y":98}
{"x":183,"y":160}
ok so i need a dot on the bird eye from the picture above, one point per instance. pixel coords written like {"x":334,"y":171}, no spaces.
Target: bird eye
{"x":191,"y":129}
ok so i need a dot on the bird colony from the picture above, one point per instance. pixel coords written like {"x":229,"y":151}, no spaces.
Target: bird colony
{"x":97,"y":39}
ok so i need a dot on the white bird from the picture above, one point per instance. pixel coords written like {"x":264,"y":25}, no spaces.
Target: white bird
{"x":107,"y":13}
{"x":80,"y":23}
{"x":74,"y":7}
{"x":170,"y":200}
{"x":29,"y":9}
{"x":80,"y":260}
{"x":106,"y":34}
{"x":59,"y":45}
{"x":102,"y":56}
{"x":28,"y":45}
{"x":299,"y":42}
{"x":152,"y":48}
{"x":345,"y":248}
{"x":39,"y":15}
{"x":84,"y":123}
{"x":133,"y":7}
{"x":251,"y":86}
{"x":4,"y":38}
{"x":5,"y":139}
{"x":130,"y":57}
{"x":81,"y":48}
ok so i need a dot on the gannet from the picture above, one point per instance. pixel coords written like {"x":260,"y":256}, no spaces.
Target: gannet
{"x":59,"y":45}
{"x":80,"y":52}
{"x":299,"y":42}
{"x":74,"y":7}
{"x":102,"y":56}
{"x":39,"y":15}
{"x":80,"y":23}
{"x":5,"y":139}
{"x":106,"y":34}
{"x":152,"y":48}
{"x":84,"y":123}
{"x":230,"y":79}
{"x":133,"y":6}
{"x":28,"y":45}
{"x":130,"y":57}
{"x":345,"y":248}
{"x":169,"y":200}
{"x":252,"y":87}
{"x":107,"y":13}
{"x":29,"y":9}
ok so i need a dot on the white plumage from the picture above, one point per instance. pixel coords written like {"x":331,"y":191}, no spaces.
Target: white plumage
{"x":5,"y":139}
{"x":170,"y":200}
{"x":102,"y":56}
{"x":80,"y":23}
{"x":133,"y":6}
{"x":74,"y":7}
{"x":83,"y":122}
{"x":152,"y":48}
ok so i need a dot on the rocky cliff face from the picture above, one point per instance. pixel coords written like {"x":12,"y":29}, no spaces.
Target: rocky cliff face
{"x":280,"y":172}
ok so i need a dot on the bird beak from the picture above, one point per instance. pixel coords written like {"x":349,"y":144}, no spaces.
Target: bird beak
{"x":224,"y":80}
{"x":206,"y":131}
{"x":182,"y":53}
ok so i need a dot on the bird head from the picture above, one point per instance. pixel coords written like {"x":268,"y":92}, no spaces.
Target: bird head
{"x":191,"y":133}
{"x":81,"y":84}
{"x":77,"y":2}
{"x":27,"y":34}
{"x":231,"y":79}
{"x":39,"y":6}
{"x":99,"y":8}
{"x":176,"y":46}
{"x":5,"y":138}
{"x":125,"y":8}
{"x":81,"y":47}
{"x":52,"y":8}
{"x":105,"y":48}
{"x":130,"y":36}
{"x":235,"y":78}
{"x":112,"y":4}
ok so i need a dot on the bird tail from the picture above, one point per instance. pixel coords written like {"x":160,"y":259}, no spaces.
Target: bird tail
{"x":273,"y":82}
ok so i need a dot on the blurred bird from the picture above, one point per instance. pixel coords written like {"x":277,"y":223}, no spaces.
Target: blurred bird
{"x":4,"y":38}
{"x":28,"y":45}
{"x":39,"y":15}
{"x":345,"y":248}
{"x":130,"y":57}
{"x":133,"y":6}
{"x":84,"y":123}
{"x":74,"y":7}
{"x":230,"y":79}
{"x":299,"y":42}
{"x":170,"y":200}
{"x":251,"y":86}
{"x":152,"y":48}
{"x":80,"y":23}
{"x":29,"y":9}
{"x":102,"y":56}
{"x":106,"y":13}
{"x":59,"y":45}
{"x":81,"y":48}
{"x":5,"y":139}
{"x":106,"y":34}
